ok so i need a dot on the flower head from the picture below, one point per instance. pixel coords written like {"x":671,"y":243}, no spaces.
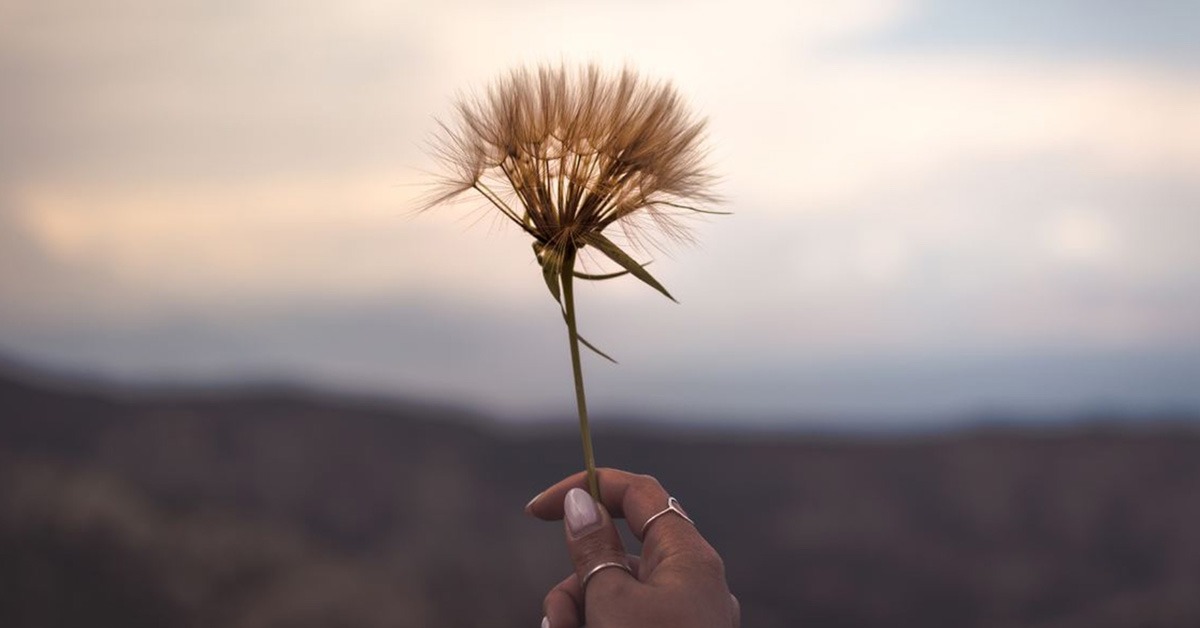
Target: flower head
{"x":565,"y":154}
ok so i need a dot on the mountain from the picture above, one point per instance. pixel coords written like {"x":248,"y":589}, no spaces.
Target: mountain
{"x":266,"y":507}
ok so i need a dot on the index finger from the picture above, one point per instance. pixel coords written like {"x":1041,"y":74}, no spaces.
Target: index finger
{"x":636,"y":498}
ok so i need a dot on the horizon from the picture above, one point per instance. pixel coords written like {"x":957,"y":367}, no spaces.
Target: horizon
{"x":47,"y":378}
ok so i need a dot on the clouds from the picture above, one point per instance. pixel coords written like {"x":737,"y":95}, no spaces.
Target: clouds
{"x":910,"y":181}
{"x":1156,"y":31}
{"x":140,"y":90}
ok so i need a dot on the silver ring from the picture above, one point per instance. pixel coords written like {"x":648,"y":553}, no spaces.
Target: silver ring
{"x":603,"y":566}
{"x":672,"y":506}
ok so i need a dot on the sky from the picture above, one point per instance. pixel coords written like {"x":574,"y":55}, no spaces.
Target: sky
{"x":940,"y":209}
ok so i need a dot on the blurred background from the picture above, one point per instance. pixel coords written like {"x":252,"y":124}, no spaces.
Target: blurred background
{"x":941,"y":366}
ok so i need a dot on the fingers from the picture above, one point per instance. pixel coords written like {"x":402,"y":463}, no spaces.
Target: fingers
{"x":672,"y":547}
{"x":594,"y":544}
{"x":636,"y":498}
{"x":675,"y":557}
{"x":737,"y":611}
{"x":563,"y":606}
{"x":672,"y":551}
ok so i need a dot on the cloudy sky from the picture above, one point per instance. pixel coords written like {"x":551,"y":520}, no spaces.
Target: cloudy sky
{"x":941,"y":207}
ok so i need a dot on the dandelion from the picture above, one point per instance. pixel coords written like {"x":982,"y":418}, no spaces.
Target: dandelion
{"x":568,"y":154}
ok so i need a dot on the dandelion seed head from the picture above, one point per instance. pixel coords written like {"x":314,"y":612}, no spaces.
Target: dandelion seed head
{"x":564,"y":152}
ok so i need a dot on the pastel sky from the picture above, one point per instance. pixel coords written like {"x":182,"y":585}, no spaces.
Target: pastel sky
{"x":940,"y":208}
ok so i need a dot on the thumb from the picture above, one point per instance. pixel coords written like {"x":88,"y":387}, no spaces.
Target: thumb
{"x":594,"y":544}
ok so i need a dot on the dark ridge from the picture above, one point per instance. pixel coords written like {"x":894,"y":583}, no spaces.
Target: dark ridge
{"x":271,"y":506}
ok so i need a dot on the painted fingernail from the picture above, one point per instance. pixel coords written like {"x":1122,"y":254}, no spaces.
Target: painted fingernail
{"x":545,"y":622}
{"x":580,"y":512}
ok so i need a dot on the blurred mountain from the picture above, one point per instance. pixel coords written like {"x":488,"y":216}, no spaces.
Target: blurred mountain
{"x":273,"y":507}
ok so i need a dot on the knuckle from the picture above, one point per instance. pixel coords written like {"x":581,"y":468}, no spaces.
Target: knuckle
{"x":618,"y":588}
{"x":556,"y":598}
{"x":595,"y":549}
{"x":649,"y":483}
{"x":610,"y":587}
{"x":711,"y":562}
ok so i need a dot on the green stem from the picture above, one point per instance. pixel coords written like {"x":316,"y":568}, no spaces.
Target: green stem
{"x":589,"y":458}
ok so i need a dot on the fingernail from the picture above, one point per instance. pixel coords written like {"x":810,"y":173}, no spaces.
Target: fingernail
{"x":535,"y":498}
{"x":580,"y":512}
{"x":545,"y":622}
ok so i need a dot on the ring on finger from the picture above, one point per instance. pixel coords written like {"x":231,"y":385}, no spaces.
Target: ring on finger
{"x":602,"y":566}
{"x":672,"y":507}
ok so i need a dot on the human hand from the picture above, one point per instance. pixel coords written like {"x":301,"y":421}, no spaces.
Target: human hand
{"x":678,"y":582}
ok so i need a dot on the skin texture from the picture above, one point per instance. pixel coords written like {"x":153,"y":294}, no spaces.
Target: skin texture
{"x":677,"y":582}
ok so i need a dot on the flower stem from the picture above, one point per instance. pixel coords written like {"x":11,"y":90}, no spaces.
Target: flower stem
{"x":589,"y":458}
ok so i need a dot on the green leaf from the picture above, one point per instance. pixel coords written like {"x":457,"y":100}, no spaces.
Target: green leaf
{"x":614,"y":253}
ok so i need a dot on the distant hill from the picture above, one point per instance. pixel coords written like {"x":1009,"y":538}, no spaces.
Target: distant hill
{"x":270,"y":507}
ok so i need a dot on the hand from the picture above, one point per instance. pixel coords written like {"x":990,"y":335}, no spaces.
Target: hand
{"x":678,"y":582}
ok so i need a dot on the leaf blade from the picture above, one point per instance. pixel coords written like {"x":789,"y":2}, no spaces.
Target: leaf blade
{"x":551,"y":267}
{"x":606,"y":246}
{"x":591,"y":346}
{"x":591,"y":277}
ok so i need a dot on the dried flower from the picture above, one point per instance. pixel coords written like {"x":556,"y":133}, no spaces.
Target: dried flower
{"x":566,"y":154}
